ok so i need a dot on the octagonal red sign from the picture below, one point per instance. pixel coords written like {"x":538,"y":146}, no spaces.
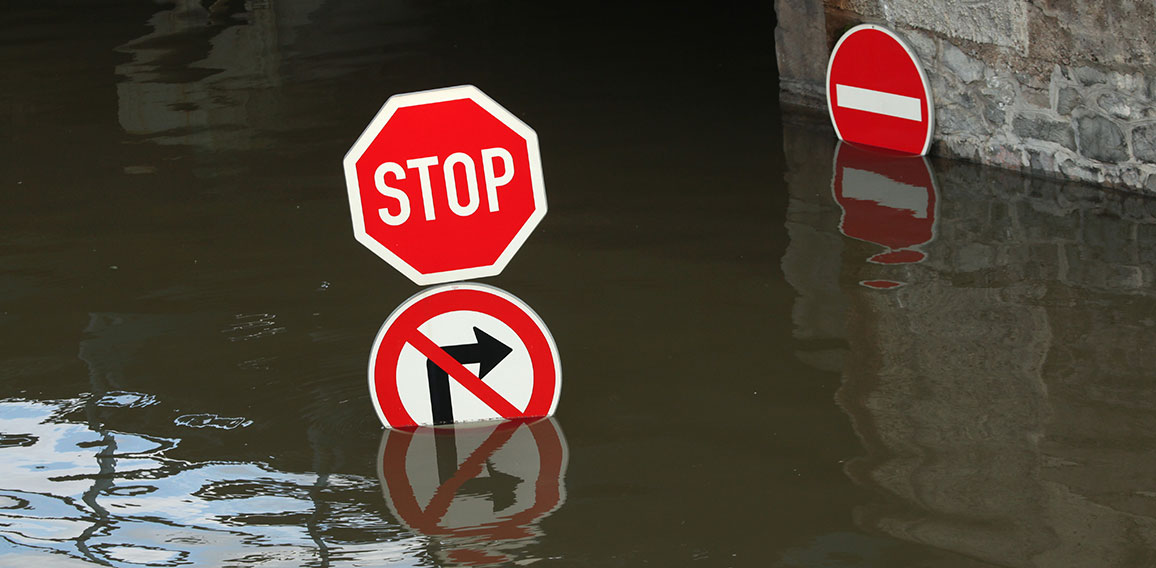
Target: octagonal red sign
{"x":445,"y":185}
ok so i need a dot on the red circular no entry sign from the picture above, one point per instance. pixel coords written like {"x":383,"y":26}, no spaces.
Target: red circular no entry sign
{"x":877,"y":92}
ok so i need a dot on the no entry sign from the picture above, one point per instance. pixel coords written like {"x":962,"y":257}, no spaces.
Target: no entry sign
{"x":877,"y":92}
{"x":479,"y":488}
{"x":445,"y":185}
{"x":462,"y":353}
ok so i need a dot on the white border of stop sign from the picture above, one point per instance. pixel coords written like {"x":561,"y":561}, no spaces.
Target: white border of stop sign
{"x":375,"y":127}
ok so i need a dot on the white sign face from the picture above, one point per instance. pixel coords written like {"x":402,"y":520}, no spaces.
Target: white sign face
{"x":506,"y":370}
{"x":463,"y":353}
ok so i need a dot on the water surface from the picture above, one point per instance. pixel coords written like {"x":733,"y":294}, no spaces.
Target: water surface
{"x":762,"y":365}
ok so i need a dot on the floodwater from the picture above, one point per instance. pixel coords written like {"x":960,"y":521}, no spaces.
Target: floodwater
{"x":775,"y":351}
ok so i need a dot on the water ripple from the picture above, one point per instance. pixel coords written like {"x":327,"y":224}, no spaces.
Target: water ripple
{"x":246,"y":327}
{"x":73,"y":491}
{"x":125,"y":399}
{"x":208,"y":420}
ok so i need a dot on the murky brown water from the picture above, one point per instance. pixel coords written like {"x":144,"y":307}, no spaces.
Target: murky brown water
{"x":772,"y":356}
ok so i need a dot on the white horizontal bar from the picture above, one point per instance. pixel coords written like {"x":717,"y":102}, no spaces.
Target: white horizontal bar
{"x":870,"y":186}
{"x":879,"y":102}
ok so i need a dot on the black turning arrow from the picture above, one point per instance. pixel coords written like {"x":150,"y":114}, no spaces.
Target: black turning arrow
{"x":487,"y":351}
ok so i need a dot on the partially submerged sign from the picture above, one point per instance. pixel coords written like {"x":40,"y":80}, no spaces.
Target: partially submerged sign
{"x":461,"y":353}
{"x":445,"y":185}
{"x":877,"y":92}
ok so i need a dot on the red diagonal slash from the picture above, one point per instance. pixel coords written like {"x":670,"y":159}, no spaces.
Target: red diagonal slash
{"x":471,"y":468}
{"x":463,"y":375}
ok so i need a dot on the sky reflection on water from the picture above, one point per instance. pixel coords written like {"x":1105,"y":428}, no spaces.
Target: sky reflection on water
{"x":116,"y":498}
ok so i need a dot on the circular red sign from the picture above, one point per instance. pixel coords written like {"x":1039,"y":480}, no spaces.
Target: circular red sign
{"x":877,"y":92}
{"x":386,"y":383}
{"x":445,"y":185}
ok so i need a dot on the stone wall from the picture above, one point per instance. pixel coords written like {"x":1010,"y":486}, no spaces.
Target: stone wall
{"x":1059,"y":87}
{"x":1003,"y":395}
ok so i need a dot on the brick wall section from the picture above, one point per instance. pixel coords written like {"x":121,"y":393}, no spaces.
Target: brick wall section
{"x":1059,"y":87}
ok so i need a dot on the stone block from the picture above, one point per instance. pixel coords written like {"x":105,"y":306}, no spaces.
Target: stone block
{"x":999,"y":22}
{"x":1101,"y":139}
{"x":968,"y":70}
{"x":1144,"y":148}
{"x":1036,"y":127}
{"x":953,"y":118}
{"x":1079,"y":171}
{"x":1037,"y":98}
{"x":994,"y":113}
{"x":923,"y":44}
{"x":1068,"y":100}
{"x":1088,"y":76}
{"x":1002,"y":87}
{"x":1116,"y":105}
{"x":1131,"y":176}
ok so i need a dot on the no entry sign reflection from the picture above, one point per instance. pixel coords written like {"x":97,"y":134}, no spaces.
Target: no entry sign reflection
{"x":888,"y":199}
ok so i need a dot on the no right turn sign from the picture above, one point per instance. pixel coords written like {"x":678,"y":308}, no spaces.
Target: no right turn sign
{"x":463,"y":353}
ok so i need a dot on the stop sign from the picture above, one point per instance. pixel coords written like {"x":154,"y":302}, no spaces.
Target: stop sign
{"x":445,"y":185}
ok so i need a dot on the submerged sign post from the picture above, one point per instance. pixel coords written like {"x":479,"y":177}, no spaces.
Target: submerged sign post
{"x":877,"y":92}
{"x":445,"y":185}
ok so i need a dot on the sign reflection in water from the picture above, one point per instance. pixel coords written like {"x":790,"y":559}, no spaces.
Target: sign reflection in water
{"x":115,"y":498}
{"x":887,"y":199}
{"x":478,"y":490}
{"x":1003,"y":396}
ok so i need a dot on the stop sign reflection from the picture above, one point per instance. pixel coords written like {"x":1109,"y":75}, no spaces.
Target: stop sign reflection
{"x":445,"y":185}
